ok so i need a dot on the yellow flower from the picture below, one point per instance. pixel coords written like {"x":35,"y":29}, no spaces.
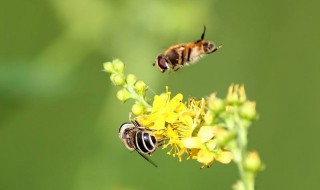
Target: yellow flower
{"x":205,"y":134}
{"x":207,"y":147}
{"x":163,"y":110}
{"x":181,"y":127}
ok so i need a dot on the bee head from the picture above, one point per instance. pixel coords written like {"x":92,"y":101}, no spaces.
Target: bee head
{"x":209,"y":47}
{"x":123,"y":128}
{"x":123,"y":134}
{"x":162,"y":63}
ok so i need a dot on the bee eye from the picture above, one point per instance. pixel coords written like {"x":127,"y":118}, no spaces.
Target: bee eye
{"x":205,"y":45}
{"x":162,"y":63}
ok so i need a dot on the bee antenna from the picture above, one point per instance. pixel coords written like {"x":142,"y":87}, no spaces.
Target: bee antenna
{"x":204,"y":32}
{"x":151,"y":90}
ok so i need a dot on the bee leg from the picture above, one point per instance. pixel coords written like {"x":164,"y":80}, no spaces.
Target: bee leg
{"x":175,"y":68}
{"x":215,"y":49}
{"x":161,"y":142}
{"x":135,"y":123}
{"x":148,"y":129}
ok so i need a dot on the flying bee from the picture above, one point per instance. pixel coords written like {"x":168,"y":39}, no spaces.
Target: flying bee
{"x":180,"y":55}
{"x":138,"y":138}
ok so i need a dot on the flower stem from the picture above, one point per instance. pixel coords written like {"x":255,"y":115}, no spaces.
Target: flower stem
{"x":136,"y":96}
{"x":247,"y":177}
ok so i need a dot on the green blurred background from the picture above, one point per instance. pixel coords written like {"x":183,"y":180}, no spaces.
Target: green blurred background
{"x":60,"y":117}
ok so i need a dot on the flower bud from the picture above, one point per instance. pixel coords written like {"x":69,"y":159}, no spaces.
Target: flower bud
{"x":253,"y":162}
{"x":209,"y":117}
{"x":248,"y":110}
{"x":108,"y":67}
{"x":131,"y":79}
{"x":222,"y":136}
{"x":118,"y":65}
{"x":137,"y":109}
{"x":112,"y":77}
{"x":117,"y":79}
{"x":215,"y":104}
{"x":123,"y":95}
{"x":236,"y":94}
{"x":140,"y":86}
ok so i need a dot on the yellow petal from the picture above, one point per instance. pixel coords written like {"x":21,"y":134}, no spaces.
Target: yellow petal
{"x":171,"y":134}
{"x":165,"y":96}
{"x":224,"y":157}
{"x":174,"y":102}
{"x":181,"y":108}
{"x":206,"y":133}
{"x":154,"y":116}
{"x":192,"y":142}
{"x":186,"y":119}
{"x":158,"y":103}
{"x":143,"y":120}
{"x":159,"y":124}
{"x":204,"y":156}
{"x":171,"y":117}
{"x":148,"y":120}
{"x":211,"y":145}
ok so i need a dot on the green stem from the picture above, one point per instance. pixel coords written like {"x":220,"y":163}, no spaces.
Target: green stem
{"x":240,"y":152}
{"x":136,"y":96}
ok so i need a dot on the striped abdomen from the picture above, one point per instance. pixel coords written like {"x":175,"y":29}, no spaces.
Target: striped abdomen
{"x":145,"y":142}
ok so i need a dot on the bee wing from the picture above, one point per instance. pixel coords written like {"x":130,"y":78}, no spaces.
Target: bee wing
{"x":145,"y":157}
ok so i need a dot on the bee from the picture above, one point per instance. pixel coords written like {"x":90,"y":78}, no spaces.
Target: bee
{"x":180,"y":55}
{"x":138,"y":138}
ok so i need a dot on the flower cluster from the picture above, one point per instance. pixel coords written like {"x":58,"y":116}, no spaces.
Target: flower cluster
{"x":131,"y":88}
{"x":207,"y":130}
{"x":235,"y":115}
{"x":181,"y":126}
